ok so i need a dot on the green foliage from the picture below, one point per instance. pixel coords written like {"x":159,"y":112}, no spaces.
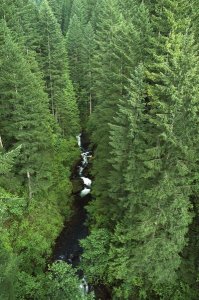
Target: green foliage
{"x":113,"y":64}
{"x":7,"y":160}
{"x":134,"y":69}
{"x":62,"y":11}
{"x":145,"y":131}
{"x":12,"y":207}
{"x":37,"y":150}
{"x":7,"y":273}
{"x":26,"y":123}
{"x":95,"y":257}
{"x":53,"y":62}
{"x":60,"y":282}
{"x":80,"y":39}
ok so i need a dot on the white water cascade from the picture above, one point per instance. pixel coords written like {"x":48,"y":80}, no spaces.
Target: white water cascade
{"x":86,"y":190}
{"x":84,"y":162}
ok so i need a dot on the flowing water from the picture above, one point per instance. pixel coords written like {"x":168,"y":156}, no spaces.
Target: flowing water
{"x":67,"y":247}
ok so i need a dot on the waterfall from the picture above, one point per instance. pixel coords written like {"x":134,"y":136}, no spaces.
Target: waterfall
{"x":84,"y":163}
{"x":67,"y":247}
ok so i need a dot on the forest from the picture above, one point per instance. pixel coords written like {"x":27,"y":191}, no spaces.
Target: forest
{"x":125,"y":73}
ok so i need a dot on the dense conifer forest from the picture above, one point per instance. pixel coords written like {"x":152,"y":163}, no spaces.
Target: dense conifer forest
{"x":126,"y":74}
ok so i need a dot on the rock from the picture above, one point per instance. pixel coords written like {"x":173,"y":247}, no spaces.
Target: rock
{"x":78,"y":185}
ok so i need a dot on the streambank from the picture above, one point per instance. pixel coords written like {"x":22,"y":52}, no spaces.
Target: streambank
{"x":67,"y":246}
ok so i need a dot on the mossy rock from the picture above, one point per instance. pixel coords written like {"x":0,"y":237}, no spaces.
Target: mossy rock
{"x":77,"y":185}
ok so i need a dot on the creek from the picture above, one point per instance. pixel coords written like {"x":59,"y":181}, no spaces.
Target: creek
{"x":67,"y":246}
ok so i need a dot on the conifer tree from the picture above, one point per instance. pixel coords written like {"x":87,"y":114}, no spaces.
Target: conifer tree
{"x":113,"y":64}
{"x":21,"y":18}
{"x":75,"y":42}
{"x":7,"y":160}
{"x":53,"y":61}
{"x":62,"y":12}
{"x":88,"y":52}
{"x":66,"y":14}
{"x":25,"y":118}
{"x":7,"y":271}
{"x":56,"y":7}
{"x":143,"y":189}
{"x":159,"y":174}
{"x":91,"y":5}
{"x":81,"y":45}
{"x":134,"y":70}
{"x":79,"y":8}
{"x":81,"y":49}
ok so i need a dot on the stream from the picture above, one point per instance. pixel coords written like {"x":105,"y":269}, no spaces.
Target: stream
{"x":67,"y":247}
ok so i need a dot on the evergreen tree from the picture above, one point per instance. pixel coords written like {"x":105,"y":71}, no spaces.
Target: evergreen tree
{"x":56,"y":7}
{"x":159,"y":172}
{"x":7,"y":271}
{"x":62,"y":283}
{"x":79,"y":8}
{"x":8,"y":12}
{"x":7,"y":160}
{"x":53,"y":61}
{"x":143,"y":189}
{"x":25,"y":119}
{"x":21,"y":18}
{"x":81,"y":45}
{"x":91,"y":5}
{"x":75,"y":42}
{"x":62,"y":12}
{"x":134,"y":70}
{"x":87,"y":54}
{"x":113,"y":63}
{"x":66,"y":14}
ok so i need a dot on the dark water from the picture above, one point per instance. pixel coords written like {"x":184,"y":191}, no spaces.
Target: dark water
{"x":67,"y":246}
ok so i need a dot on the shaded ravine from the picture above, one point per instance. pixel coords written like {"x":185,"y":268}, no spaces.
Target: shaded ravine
{"x":67,"y":247}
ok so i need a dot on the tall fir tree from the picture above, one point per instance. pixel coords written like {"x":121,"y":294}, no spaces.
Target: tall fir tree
{"x":159,"y":177}
{"x":149,"y":176}
{"x":112,"y":67}
{"x":23,"y":102}
{"x":53,"y":62}
{"x":88,"y":48}
{"x":25,"y":117}
{"x":62,"y":11}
